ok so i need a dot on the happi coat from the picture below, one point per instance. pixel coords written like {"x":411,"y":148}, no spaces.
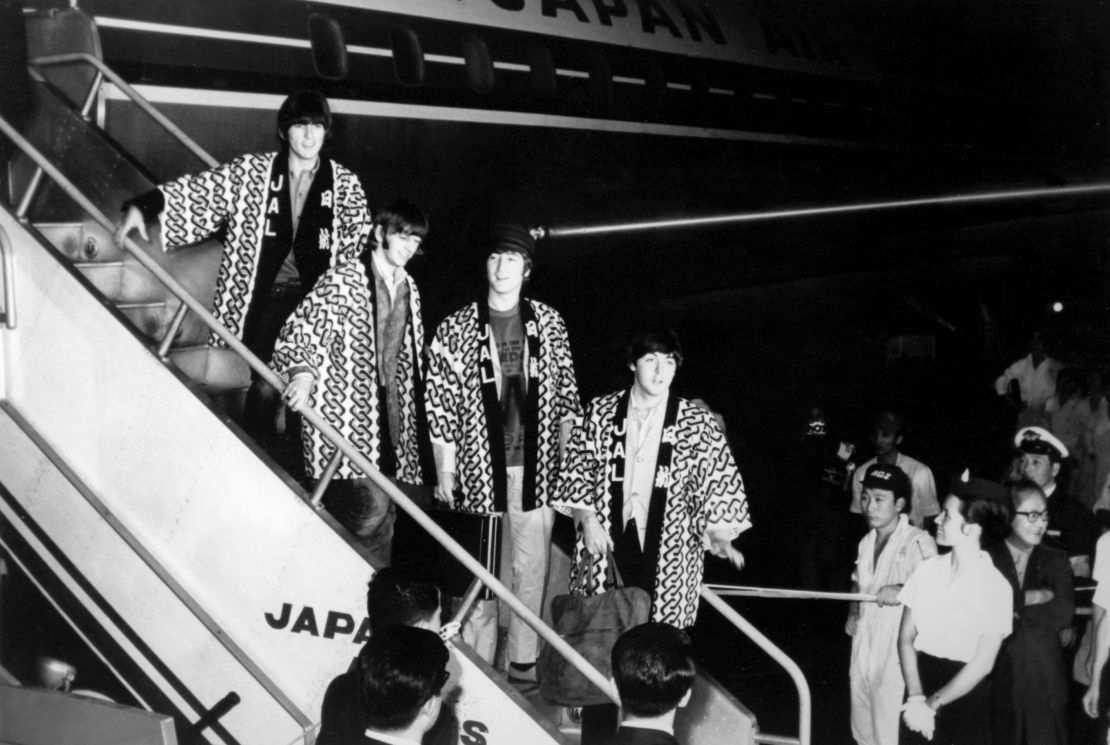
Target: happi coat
{"x":464,"y":409}
{"x":331,"y":334}
{"x":248,"y":198}
{"x":697,"y":488}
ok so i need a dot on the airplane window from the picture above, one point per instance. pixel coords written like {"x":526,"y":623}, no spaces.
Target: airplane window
{"x":601,"y":80}
{"x":543,"y":71}
{"x":408,"y":55}
{"x":479,"y":68}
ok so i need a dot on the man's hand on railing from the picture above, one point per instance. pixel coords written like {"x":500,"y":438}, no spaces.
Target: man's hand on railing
{"x":132,"y":220}
{"x":445,"y":489}
{"x":298,"y":391}
{"x":595,"y":538}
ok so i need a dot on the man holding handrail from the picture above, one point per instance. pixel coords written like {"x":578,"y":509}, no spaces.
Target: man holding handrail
{"x":283,"y":217}
{"x":354,"y":351}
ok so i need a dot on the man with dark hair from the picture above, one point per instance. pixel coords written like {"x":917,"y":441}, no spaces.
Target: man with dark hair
{"x":887,"y":439}
{"x":283,"y":217}
{"x":502,"y":397}
{"x":1030,"y":383}
{"x":649,"y":477}
{"x":354,"y":350}
{"x":1071,"y":526}
{"x":393,"y":598}
{"x":402,"y":676}
{"x":653,"y":668}
{"x":888,"y":555}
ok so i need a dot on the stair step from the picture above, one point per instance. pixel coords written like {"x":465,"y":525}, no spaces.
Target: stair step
{"x":122,"y":281}
{"x":215,"y":368}
{"x":151,"y":318}
{"x":80,"y":241}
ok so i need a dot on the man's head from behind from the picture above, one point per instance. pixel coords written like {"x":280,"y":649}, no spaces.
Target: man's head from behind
{"x":395,"y":596}
{"x":403,"y":671}
{"x":653,"y":669}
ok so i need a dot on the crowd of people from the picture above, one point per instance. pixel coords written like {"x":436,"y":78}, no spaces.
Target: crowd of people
{"x":965,"y":625}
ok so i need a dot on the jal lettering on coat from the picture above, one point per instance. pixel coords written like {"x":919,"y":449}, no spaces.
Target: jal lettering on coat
{"x":653,"y":14}
{"x":487,"y":370}
{"x":273,"y":207}
{"x":336,"y":623}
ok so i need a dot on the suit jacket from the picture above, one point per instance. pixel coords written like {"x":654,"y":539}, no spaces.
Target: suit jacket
{"x":641,"y":736}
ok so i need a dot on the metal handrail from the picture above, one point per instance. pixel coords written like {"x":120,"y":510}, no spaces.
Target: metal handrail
{"x":7,"y":269}
{"x":314,"y":418}
{"x":805,"y":704}
{"x":134,"y":95}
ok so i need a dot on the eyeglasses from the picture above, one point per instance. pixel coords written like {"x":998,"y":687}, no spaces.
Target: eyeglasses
{"x":1034,"y":516}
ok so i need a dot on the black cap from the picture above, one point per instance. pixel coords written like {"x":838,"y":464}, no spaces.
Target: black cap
{"x":966,"y":485}
{"x":509,"y":237}
{"x":889,"y":477}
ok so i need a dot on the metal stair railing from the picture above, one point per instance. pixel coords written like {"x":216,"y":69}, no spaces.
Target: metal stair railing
{"x":805,"y":704}
{"x":7,"y":269}
{"x":488,"y":579}
{"x":103,"y":69}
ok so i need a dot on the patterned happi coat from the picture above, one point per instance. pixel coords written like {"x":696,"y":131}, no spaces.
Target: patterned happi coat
{"x":460,"y":405}
{"x":249,"y":198}
{"x":700,"y":489}
{"x":332,"y":334}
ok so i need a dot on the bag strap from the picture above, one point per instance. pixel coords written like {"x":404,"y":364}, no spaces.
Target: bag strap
{"x":611,"y":572}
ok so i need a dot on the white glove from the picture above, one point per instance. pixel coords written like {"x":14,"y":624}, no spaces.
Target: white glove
{"x":919,"y":716}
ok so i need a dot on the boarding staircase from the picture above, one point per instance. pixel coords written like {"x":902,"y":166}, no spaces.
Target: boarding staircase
{"x":201,"y":574}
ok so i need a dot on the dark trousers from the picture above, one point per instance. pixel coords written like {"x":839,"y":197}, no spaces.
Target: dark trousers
{"x":965,"y":721}
{"x":264,"y":321}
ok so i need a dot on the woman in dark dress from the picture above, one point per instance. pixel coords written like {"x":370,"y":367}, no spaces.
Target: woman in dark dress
{"x":1030,"y":686}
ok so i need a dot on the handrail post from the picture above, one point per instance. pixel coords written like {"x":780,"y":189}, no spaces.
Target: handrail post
{"x":29,"y":195}
{"x":90,"y":99}
{"x":805,"y":705}
{"x":171,"y":331}
{"x":325,"y":479}
{"x":7,"y":268}
{"x":467,"y":601}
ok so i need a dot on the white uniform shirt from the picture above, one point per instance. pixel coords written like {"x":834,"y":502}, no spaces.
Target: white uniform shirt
{"x":951,"y":611}
{"x":1037,"y":384}
{"x":1101,"y":574}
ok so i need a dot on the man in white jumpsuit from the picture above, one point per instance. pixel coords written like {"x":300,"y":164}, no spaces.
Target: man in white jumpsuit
{"x":888,"y":555}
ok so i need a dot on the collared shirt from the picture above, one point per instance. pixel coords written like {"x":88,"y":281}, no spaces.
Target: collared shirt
{"x":643,"y":432}
{"x":384,"y":272}
{"x":1037,"y":382}
{"x":299,"y":184}
{"x":1021,"y":560}
{"x":951,"y":610}
{"x":391,"y":316}
{"x":1101,"y":573}
{"x":389,"y":738}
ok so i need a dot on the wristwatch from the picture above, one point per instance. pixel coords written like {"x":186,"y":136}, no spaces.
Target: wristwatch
{"x":934,"y":702}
